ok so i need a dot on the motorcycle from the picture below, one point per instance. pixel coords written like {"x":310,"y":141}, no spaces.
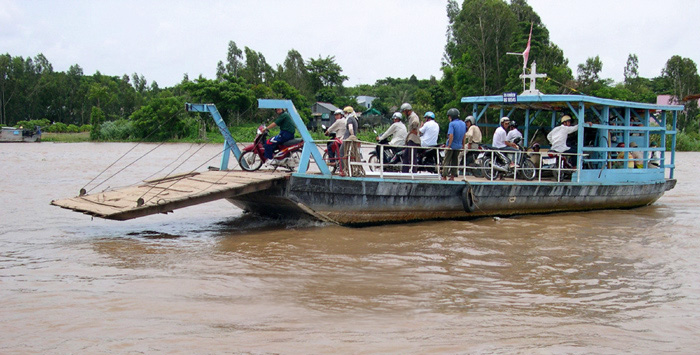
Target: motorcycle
{"x":286,"y":155}
{"x":495,"y":164}
{"x":391,"y":161}
{"x":474,"y":160}
{"x":331,"y":155}
{"x":558,"y":164}
{"x":426,"y":157}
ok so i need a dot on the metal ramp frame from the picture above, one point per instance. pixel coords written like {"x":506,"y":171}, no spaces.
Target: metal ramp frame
{"x":170,"y":193}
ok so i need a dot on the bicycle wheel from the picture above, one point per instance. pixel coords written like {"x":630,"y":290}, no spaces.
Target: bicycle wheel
{"x":331,"y":163}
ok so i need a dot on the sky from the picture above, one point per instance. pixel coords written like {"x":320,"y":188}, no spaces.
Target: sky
{"x":370,"y":39}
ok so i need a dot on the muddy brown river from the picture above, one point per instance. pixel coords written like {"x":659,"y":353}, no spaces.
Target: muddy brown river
{"x":209,"y":280}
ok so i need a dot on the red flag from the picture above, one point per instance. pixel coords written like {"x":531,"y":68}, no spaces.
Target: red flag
{"x":526,"y":53}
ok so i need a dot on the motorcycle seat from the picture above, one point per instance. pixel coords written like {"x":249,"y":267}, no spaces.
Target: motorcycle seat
{"x":292,"y":142}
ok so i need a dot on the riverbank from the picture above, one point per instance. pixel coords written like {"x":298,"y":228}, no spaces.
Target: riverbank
{"x":242,"y":133}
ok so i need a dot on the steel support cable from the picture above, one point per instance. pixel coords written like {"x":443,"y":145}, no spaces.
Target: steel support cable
{"x":83,"y":191}
{"x":174,"y":161}
{"x":140,"y":200}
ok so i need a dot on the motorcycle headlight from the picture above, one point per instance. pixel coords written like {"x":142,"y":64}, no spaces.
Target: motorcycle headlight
{"x":259,"y":131}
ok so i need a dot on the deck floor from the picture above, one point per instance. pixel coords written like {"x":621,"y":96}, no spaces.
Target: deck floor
{"x":169,"y":193}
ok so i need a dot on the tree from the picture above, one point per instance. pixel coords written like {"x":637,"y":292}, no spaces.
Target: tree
{"x":325,"y":72}
{"x":233,"y":59}
{"x":480,"y":35}
{"x":631,"y":69}
{"x":682,"y":76}
{"x":256,"y":70}
{"x":162,"y":119}
{"x":96,"y":119}
{"x":294,"y":72}
{"x":589,"y":73}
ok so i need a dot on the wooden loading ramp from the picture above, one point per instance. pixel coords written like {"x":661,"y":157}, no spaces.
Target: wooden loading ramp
{"x":170,"y":193}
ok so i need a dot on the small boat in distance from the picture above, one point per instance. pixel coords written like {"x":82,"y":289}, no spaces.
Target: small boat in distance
{"x":12,"y":134}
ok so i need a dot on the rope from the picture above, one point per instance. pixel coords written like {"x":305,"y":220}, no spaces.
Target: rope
{"x":176,"y":159}
{"x":352,"y":152}
{"x":564,"y":85}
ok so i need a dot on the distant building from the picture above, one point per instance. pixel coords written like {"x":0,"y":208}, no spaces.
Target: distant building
{"x":666,"y":100}
{"x":671,"y":100}
{"x":321,"y":113}
{"x":371,"y":117}
{"x":365,"y":101}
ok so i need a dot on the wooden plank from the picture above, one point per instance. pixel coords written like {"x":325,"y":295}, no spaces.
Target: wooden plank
{"x":170,"y":193}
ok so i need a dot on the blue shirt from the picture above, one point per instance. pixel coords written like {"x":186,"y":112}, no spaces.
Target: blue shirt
{"x":457,"y":129}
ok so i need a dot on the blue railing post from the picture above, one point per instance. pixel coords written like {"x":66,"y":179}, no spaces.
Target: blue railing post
{"x":310,"y":148}
{"x":229,"y":142}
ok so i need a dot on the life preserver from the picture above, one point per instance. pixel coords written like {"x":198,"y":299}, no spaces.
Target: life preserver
{"x":468,"y":198}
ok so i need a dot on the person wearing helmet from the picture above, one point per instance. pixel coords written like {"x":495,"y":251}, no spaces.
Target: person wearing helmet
{"x":287,"y":129}
{"x":338,"y":129}
{"x":412,"y":139}
{"x":557,"y":137}
{"x":473,"y":133}
{"x":429,"y":131}
{"x":338,"y":126}
{"x":397,"y":131}
{"x":499,"y":136}
{"x":456,"y":135}
{"x":513,"y":133}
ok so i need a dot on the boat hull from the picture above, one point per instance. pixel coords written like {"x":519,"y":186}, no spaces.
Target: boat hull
{"x":357,"y":201}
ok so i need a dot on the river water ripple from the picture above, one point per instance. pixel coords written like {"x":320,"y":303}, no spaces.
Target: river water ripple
{"x":208,"y":280}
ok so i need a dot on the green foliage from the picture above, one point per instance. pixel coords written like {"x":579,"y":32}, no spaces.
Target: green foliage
{"x":43,"y":123}
{"x":119,"y":130}
{"x":86,"y":128}
{"x":96,"y":119}
{"x":58,"y":127}
{"x":163,"y":118}
{"x":687,"y":141}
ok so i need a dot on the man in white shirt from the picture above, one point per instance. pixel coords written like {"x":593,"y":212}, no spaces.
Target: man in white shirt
{"x":499,"y":137}
{"x":397,"y":131}
{"x":430,"y":131}
{"x":557,"y":137}
{"x":514,"y":132}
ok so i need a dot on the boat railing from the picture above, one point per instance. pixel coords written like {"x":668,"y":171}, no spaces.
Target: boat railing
{"x":548,"y":165}
{"x":558,"y":172}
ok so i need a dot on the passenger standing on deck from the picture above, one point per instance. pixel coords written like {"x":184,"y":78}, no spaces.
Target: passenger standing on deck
{"x":338,"y":128}
{"x":412,"y":140}
{"x":455,"y":142}
{"x":286,"y":124}
{"x":351,"y":129}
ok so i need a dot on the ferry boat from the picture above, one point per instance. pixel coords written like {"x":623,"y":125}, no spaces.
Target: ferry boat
{"x":621,"y":162}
